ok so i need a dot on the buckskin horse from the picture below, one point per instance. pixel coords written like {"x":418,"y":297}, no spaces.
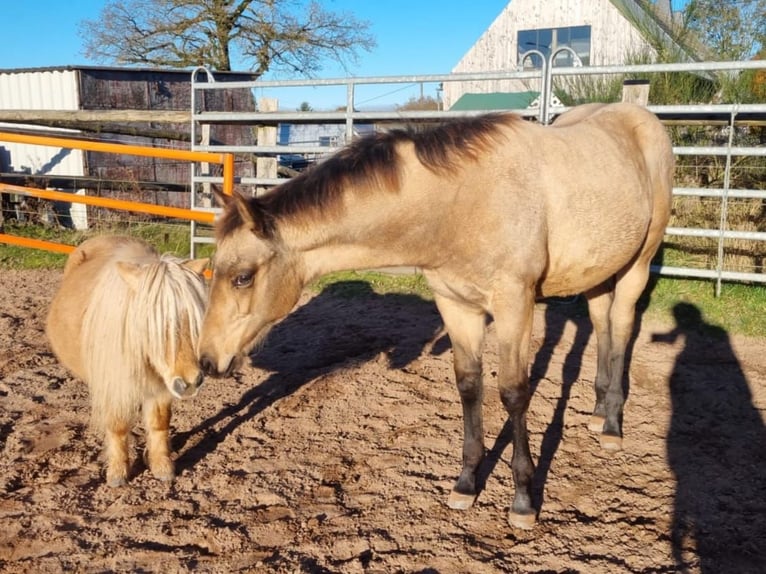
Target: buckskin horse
{"x":126,"y":321}
{"x":496,"y":211}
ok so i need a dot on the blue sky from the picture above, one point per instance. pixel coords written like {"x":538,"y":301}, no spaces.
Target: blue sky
{"x":413,"y":36}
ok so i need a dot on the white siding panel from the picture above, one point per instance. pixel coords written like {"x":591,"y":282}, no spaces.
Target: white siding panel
{"x":41,"y":90}
{"x":612,"y":38}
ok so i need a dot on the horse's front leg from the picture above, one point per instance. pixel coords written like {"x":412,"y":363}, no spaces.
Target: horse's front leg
{"x":465,"y":326}
{"x":513,"y":321}
{"x":116,"y":436}
{"x":157,"y":412}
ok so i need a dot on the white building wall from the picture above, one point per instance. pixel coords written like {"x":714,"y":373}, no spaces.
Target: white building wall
{"x":613,"y":38}
{"x":40,"y":90}
{"x":43,"y":89}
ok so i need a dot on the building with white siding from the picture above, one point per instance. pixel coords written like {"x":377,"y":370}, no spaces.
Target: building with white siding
{"x":601,"y":32}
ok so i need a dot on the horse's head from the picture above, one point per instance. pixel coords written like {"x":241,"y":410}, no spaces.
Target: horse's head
{"x":171,"y":295}
{"x":256,"y":281}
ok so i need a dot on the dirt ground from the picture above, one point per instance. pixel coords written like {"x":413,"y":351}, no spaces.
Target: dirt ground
{"x":336,"y":449}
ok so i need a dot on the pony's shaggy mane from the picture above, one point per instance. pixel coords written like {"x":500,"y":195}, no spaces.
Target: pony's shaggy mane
{"x":123,"y":330}
{"x":371,"y":163}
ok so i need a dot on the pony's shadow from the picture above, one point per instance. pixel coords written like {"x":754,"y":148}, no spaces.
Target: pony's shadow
{"x":346,"y":324}
{"x":716,"y":448}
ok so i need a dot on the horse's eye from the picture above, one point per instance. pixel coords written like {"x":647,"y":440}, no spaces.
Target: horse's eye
{"x":243,"y":279}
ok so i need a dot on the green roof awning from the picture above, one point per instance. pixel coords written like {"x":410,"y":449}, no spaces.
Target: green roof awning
{"x":495,"y":101}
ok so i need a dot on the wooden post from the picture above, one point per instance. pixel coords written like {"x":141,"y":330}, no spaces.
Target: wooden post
{"x":636,"y":92}
{"x":266,"y":165}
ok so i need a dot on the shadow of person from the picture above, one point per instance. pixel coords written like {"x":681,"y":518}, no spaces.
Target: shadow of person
{"x":716,"y":448}
{"x":347,"y":323}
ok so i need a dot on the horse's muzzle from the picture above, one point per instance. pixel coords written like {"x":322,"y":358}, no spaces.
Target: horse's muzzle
{"x":210,"y":367}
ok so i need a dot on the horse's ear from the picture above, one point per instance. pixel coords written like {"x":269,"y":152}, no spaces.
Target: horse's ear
{"x":222,"y":198}
{"x":253,"y":216}
{"x":130,"y":273}
{"x":197,"y":265}
{"x":250,"y":212}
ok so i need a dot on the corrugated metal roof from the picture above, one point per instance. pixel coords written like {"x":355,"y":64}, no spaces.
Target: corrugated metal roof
{"x":187,"y":72}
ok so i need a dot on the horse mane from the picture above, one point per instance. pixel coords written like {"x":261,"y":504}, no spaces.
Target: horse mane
{"x":128,"y":333}
{"x":373,"y":162}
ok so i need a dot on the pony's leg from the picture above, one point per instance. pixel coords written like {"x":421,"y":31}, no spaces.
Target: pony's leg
{"x":157,"y":413}
{"x":599,"y":307}
{"x":117,"y":456}
{"x":466,"y":326}
{"x":513,"y":321}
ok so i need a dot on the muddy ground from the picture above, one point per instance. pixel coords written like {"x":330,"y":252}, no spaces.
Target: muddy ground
{"x":336,"y":449}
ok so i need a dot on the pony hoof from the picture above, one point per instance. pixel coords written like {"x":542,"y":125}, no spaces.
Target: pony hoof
{"x":116,"y":481}
{"x":164,"y":472}
{"x":596,"y":423}
{"x":611,"y":442}
{"x":522,"y":521}
{"x":460,"y":501}
{"x":165,"y":476}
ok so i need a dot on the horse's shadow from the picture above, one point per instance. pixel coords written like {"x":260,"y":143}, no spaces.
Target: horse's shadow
{"x":716,"y":448}
{"x":340,"y":326}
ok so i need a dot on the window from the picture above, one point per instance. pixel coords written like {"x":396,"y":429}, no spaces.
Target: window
{"x":284,"y":134}
{"x":548,"y":40}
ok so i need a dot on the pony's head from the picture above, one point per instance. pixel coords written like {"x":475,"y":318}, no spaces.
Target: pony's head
{"x":167,"y":304}
{"x":256,"y":281}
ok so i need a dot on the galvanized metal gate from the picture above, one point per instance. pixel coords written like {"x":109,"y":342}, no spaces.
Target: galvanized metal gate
{"x":349,"y":118}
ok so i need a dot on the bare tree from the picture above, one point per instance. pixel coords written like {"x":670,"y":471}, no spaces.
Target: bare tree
{"x":292,"y":36}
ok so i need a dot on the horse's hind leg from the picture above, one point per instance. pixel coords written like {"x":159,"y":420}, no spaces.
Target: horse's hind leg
{"x":466,"y":326}
{"x":117,"y":456}
{"x":599,"y":307}
{"x":613,"y":324}
{"x":157,"y":413}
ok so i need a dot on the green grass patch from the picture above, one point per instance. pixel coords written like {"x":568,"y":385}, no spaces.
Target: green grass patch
{"x":165,"y":237}
{"x":739,"y":309}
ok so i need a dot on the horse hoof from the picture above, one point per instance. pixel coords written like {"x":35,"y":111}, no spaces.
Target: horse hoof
{"x":596,"y":423}
{"x":459,"y":501}
{"x":522,"y":521}
{"x":611,"y":442}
